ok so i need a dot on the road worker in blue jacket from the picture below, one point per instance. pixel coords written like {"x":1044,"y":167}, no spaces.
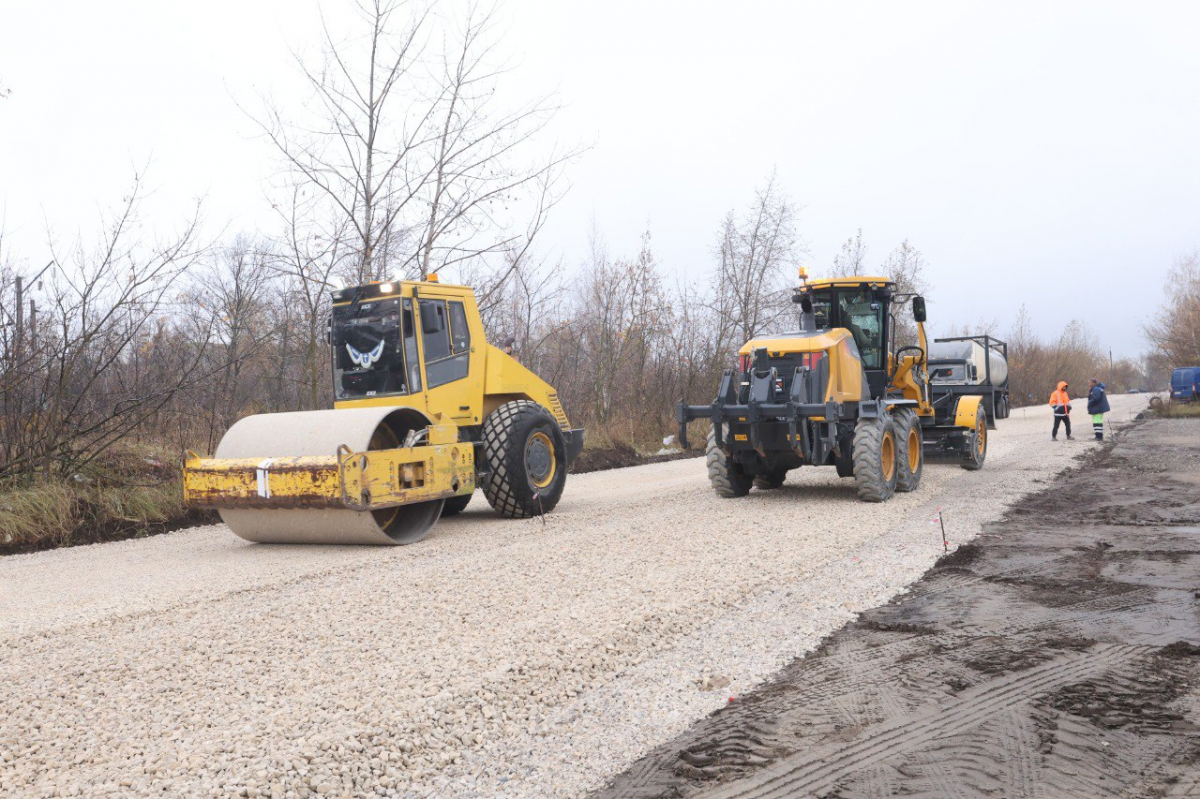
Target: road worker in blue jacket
{"x":1097,"y":406}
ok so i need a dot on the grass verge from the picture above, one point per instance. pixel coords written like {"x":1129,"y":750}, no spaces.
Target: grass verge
{"x":1178,"y":410}
{"x":131,"y":497}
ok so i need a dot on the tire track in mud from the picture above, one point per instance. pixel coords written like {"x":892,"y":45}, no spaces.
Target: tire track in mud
{"x":1057,"y":656}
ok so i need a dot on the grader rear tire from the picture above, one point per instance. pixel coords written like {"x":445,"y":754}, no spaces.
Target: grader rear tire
{"x":875,"y":467}
{"x":976,"y":444}
{"x":770,"y":480}
{"x":456,"y":505}
{"x":726,"y":477}
{"x":910,"y":457}
{"x":526,"y":461}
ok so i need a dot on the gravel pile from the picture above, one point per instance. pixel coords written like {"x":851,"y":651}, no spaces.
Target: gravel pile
{"x":495,"y":657}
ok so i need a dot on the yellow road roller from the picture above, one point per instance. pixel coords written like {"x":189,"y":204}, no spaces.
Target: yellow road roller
{"x":425,"y":410}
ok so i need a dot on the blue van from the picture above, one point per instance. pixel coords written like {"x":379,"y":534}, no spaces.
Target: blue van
{"x":1184,"y":384}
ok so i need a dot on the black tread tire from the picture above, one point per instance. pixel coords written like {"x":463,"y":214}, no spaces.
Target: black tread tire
{"x":905,"y":420}
{"x":869,"y":474}
{"x":456,"y":505}
{"x":770,"y":480}
{"x":507,"y":486}
{"x":726,"y":477}
{"x":973,"y":459}
{"x":845,"y":463}
{"x":1003,"y":409}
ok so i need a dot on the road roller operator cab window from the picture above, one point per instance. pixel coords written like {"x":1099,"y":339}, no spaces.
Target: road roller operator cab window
{"x":447,"y":341}
{"x":371,"y":341}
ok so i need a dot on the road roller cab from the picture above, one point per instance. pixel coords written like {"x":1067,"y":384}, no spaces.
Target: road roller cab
{"x":425,"y":410}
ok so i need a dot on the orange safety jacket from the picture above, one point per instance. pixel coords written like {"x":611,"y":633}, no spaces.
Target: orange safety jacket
{"x":1059,"y":399}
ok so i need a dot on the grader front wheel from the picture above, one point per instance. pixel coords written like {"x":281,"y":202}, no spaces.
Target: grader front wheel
{"x":910,"y":460}
{"x":525,"y":455}
{"x":726,"y":477}
{"x":875,"y":467}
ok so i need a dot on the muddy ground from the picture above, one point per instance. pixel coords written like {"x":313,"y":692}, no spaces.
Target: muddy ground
{"x":1055,"y":656}
{"x":623,"y":456}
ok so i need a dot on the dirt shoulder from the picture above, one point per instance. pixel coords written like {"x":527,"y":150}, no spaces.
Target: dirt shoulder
{"x":1056,"y":655}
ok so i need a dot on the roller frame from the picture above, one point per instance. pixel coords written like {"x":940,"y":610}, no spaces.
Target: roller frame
{"x":359,"y":481}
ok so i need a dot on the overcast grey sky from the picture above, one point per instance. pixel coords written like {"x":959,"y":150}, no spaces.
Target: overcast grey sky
{"x":1037,"y":153}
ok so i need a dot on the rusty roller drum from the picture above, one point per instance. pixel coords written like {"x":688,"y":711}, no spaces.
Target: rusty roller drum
{"x":281,"y":435}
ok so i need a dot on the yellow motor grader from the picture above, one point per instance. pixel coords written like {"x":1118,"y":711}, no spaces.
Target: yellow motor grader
{"x":425,"y":410}
{"x":837,"y":392}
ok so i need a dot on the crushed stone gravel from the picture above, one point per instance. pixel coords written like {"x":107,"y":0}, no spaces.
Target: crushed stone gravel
{"x":496,"y":657}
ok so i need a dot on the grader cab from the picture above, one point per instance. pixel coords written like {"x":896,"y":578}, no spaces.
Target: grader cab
{"x":837,"y":392}
{"x":425,"y":410}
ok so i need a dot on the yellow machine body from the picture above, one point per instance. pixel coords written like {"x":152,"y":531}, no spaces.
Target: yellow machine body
{"x":493,"y":376}
{"x":351,"y":467}
{"x":845,"y":372}
{"x":361,"y":481}
{"x":812,"y":396}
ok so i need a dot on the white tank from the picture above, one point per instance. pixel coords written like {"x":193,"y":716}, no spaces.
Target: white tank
{"x":975,"y":354}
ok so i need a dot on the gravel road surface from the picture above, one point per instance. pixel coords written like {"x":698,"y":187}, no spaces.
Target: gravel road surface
{"x":496,"y":657}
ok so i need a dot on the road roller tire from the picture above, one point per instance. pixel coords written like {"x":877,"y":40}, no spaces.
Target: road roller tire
{"x":910,"y":458}
{"x":726,"y":477}
{"x":456,"y":505}
{"x":875,"y":467}
{"x":770,"y":480}
{"x":525,"y":458}
{"x":976,"y":444}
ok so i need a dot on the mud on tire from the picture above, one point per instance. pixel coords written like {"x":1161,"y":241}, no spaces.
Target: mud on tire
{"x":910,"y":458}
{"x":875,"y":459}
{"x":524,"y":455}
{"x":726,"y":477}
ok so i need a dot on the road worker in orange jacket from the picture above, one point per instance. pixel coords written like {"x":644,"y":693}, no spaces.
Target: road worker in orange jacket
{"x":1061,"y":404}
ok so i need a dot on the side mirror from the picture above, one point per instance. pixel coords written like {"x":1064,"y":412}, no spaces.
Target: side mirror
{"x":918,"y":304}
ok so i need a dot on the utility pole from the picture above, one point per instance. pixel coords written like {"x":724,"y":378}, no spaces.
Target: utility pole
{"x":20,"y":317}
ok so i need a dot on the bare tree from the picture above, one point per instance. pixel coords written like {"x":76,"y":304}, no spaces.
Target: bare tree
{"x":408,"y":146}
{"x":101,"y":361}
{"x":479,"y":166}
{"x":755,"y":253}
{"x":906,"y":267}
{"x":310,"y":251}
{"x":1175,"y":330}
{"x":361,"y":143}
{"x":851,"y":259}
